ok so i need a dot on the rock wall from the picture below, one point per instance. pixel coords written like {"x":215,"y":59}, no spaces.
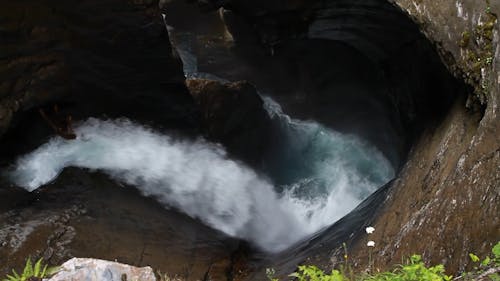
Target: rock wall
{"x":466,"y":34}
{"x":358,"y":66}
{"x":95,"y":57}
{"x":445,"y":202}
{"x":89,"y":215}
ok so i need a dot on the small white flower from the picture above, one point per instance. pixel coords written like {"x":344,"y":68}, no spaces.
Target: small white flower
{"x":370,"y":229}
{"x":370,"y":244}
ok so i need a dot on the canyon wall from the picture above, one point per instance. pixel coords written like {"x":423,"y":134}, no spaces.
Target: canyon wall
{"x":445,"y":202}
{"x":86,"y":57}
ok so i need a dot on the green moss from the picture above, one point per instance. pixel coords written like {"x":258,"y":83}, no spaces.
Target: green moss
{"x":479,"y":53}
{"x":464,"y":41}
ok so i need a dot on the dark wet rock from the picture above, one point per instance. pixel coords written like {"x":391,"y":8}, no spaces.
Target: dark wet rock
{"x":466,"y":34}
{"x":84,"y":214}
{"x":233,"y":114}
{"x":27,"y":232}
{"x":93,"y":58}
{"x":443,"y":204}
{"x":359,"y":67}
{"x":11,"y":196}
{"x":447,"y":197}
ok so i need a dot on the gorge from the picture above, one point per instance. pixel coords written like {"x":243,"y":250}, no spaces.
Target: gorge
{"x":232,"y":184}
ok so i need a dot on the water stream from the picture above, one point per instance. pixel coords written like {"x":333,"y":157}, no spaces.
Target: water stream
{"x":316,"y":178}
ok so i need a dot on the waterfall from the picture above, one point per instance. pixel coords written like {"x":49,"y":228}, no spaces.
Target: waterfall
{"x":319,"y":175}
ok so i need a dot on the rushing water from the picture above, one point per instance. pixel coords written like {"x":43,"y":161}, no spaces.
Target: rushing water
{"x":316,"y":177}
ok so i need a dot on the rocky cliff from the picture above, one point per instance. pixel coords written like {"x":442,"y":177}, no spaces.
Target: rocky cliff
{"x":466,"y":34}
{"x":445,"y":202}
{"x":110,"y":57}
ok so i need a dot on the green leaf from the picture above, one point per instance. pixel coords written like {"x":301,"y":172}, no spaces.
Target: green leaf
{"x":415,"y":259}
{"x":15,"y":274}
{"x":486,"y":261}
{"x":496,"y":250}
{"x":28,"y":270}
{"x":44,"y":271}
{"x":12,"y":278}
{"x":494,"y":277}
{"x":36,"y":269}
{"x":474,"y":258}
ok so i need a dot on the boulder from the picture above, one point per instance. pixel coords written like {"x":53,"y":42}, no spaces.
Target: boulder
{"x":100,"y":270}
{"x":233,"y":114}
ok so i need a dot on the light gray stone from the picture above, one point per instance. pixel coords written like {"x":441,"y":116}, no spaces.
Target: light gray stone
{"x":81,"y":269}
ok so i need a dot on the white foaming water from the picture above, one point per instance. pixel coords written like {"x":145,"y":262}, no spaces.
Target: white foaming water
{"x":323,"y":176}
{"x":321,"y":173}
{"x":318,"y":175}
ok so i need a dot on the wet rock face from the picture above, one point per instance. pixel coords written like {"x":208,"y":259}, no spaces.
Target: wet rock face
{"x":448,"y":194}
{"x":115,"y":62}
{"x":466,"y":34}
{"x":233,"y":114}
{"x":446,"y":200}
{"x":85,"y":214}
{"x":360,"y":67}
{"x":93,"y":58}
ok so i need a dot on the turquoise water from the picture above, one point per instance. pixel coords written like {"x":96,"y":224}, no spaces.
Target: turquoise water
{"x":316,"y":176}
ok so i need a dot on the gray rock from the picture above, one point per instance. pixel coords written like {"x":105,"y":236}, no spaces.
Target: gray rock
{"x":100,"y":270}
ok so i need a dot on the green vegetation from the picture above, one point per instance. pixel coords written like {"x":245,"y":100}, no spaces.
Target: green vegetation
{"x":32,"y":272}
{"x":479,"y":52}
{"x":414,"y":270}
{"x":488,"y":267}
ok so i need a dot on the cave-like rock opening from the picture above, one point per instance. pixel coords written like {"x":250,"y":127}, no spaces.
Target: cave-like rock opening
{"x":359,"y":67}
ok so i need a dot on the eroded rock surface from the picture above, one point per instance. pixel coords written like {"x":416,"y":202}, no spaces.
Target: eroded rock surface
{"x":84,"y":214}
{"x":233,"y":114}
{"x":360,"y":67}
{"x":466,"y":34}
{"x":92,"y":58}
{"x":445,"y":203}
